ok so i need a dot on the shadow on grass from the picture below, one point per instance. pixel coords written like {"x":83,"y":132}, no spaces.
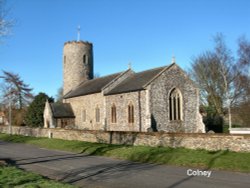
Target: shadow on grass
{"x":18,"y":138}
{"x":160,"y":155}
{"x":101,"y":149}
{"x":217,"y":155}
{"x":138,"y":153}
{"x":45,"y":159}
{"x":8,"y":161}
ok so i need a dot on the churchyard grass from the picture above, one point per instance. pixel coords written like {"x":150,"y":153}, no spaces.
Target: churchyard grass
{"x":222,"y":160}
{"x":14,"y":177}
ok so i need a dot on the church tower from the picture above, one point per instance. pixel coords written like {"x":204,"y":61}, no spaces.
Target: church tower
{"x":77,"y":64}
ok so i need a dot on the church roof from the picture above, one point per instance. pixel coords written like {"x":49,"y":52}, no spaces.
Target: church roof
{"x":62,"y":110}
{"x":92,"y":86}
{"x":136,"y":81}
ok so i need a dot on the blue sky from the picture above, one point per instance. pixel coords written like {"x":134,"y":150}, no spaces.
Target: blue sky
{"x":146,"y":33}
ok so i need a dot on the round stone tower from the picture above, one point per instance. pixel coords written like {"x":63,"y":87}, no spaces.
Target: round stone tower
{"x":77,"y":64}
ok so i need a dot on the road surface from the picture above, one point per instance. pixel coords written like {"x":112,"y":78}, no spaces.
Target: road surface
{"x":100,"y":172}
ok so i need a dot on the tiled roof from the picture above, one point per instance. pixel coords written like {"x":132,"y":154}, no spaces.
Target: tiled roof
{"x":62,"y":110}
{"x":91,"y":86}
{"x":133,"y":83}
{"x":136,"y":81}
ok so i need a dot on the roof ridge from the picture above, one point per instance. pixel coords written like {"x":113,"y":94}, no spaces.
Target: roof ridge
{"x":106,"y":76}
{"x":87,"y":81}
{"x":136,"y":81}
{"x":117,"y":77}
{"x":152,"y":69}
{"x":163,"y":70}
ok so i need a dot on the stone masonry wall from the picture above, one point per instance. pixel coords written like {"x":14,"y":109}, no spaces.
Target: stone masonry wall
{"x":49,"y":121}
{"x":160,"y":89}
{"x":212,"y":142}
{"x":121,"y":101}
{"x":88,"y":103}
{"x":75,"y":70}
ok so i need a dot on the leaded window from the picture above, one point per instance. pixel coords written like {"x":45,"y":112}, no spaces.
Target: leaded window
{"x":175,"y":105}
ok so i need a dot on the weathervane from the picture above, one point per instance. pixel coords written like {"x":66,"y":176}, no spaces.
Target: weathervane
{"x":129,"y":65}
{"x":173,"y":59}
{"x":78,"y":33}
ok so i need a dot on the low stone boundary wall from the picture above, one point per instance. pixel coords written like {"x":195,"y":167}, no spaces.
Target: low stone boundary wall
{"x":193,"y":141}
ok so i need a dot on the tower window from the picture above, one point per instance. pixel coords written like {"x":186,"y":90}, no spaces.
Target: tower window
{"x":113,"y":114}
{"x":175,"y":105}
{"x":64,"y":59}
{"x":85,"y":59}
{"x":130,"y":113}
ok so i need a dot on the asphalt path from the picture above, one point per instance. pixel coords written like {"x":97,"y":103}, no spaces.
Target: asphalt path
{"x":94,"y":171}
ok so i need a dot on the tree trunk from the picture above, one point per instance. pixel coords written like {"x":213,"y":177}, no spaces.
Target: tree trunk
{"x":229,"y":117}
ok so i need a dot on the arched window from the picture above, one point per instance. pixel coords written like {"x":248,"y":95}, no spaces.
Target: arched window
{"x":113,"y":114}
{"x":175,"y":105}
{"x":130,"y":113}
{"x":97,"y":114}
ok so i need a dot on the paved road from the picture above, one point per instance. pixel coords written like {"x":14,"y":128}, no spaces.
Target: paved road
{"x":93,"y":171}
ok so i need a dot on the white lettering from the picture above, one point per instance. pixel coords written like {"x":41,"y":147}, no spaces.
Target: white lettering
{"x":198,"y":172}
{"x":189,"y":172}
{"x":209,"y":173}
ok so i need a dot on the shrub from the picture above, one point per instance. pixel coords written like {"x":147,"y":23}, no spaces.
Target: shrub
{"x":34,"y":117}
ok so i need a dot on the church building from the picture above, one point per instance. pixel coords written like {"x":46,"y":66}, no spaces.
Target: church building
{"x":159,"y":99}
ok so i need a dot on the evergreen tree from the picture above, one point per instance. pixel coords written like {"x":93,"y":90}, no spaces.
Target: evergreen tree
{"x":34,"y":117}
{"x":16,"y":90}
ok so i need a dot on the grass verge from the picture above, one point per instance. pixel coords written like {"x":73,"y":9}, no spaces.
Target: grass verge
{"x":223,"y":160}
{"x":13,"y":177}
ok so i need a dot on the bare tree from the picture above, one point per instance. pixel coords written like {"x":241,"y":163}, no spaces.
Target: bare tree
{"x":229,"y":74}
{"x":97,"y":75}
{"x":205,"y":73}
{"x":244,"y":64}
{"x":220,"y":77}
{"x":59,"y":95}
{"x":5,"y":22}
{"x":243,"y":108}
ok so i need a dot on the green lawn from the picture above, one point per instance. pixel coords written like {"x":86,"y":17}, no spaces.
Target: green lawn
{"x":224,"y":160}
{"x":13,"y":177}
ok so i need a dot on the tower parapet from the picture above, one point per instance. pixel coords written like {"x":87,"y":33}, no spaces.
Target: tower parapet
{"x":77,"y":64}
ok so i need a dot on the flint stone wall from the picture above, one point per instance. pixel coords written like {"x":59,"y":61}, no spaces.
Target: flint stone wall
{"x":212,"y":142}
{"x":121,"y":101}
{"x":160,"y":90}
{"x":75,"y":70}
{"x":88,"y":103}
